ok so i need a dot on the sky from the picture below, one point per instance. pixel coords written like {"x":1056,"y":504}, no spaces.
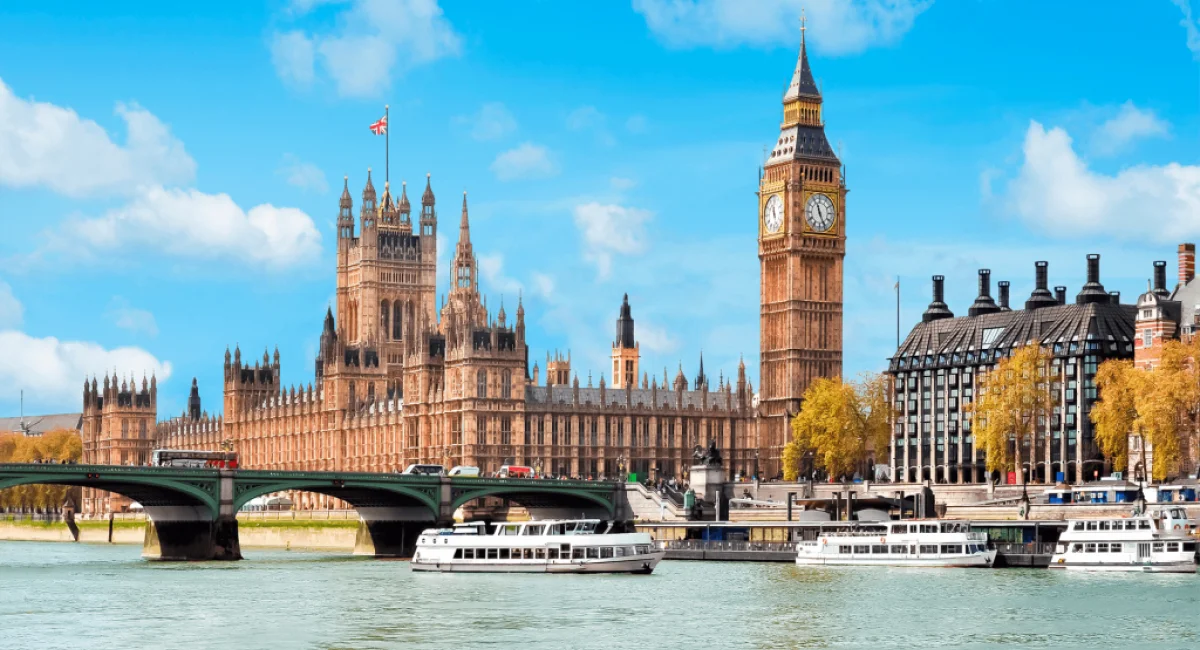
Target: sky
{"x":169,"y":172}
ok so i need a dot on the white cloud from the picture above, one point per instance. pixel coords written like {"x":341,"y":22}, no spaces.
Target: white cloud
{"x":50,"y":146}
{"x":493,"y":121}
{"x":1057,"y":192}
{"x":373,"y":40}
{"x":585,"y":117}
{"x":12,"y":312}
{"x":526,"y":161}
{"x":620,"y":184}
{"x":292,"y":56}
{"x":190,"y":223}
{"x":835,"y":26}
{"x":492,"y":269}
{"x":1191,"y":27}
{"x":51,"y":371}
{"x":126,"y":317}
{"x":1129,"y":124}
{"x":656,"y":339}
{"x":303,"y":175}
{"x":543,"y":285}
{"x":636,"y":124}
{"x":610,"y":230}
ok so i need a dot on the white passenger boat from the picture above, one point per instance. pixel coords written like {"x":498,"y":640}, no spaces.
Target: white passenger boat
{"x":913,"y":543}
{"x":551,"y":546}
{"x":1159,"y":541}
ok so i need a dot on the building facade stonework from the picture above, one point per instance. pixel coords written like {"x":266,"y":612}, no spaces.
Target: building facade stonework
{"x":400,"y":379}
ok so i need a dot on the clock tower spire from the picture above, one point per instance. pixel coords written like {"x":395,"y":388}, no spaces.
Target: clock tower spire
{"x":801,"y":246}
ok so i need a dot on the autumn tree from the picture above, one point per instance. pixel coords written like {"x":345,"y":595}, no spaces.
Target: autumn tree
{"x":1169,"y":398}
{"x":1012,"y":402}
{"x":1121,"y":388}
{"x":840,"y":424}
{"x":59,"y":445}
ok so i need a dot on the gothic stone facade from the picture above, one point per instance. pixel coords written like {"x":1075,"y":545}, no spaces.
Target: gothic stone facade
{"x":400,"y":380}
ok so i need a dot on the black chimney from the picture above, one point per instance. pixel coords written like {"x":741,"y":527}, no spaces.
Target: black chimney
{"x":984,"y":303}
{"x":937,"y":309}
{"x":1060,"y":295}
{"x":1114,"y":297}
{"x":1160,"y":279}
{"x":1003,"y":284}
{"x":1041,"y":296}
{"x":1092,"y":291}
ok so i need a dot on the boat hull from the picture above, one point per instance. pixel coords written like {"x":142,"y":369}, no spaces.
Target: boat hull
{"x":1157,"y":567}
{"x":643,"y":564}
{"x":977,"y":560}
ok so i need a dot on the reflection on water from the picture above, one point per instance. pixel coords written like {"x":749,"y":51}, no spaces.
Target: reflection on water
{"x":95,"y":597}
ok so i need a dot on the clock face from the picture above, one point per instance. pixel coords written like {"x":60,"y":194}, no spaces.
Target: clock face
{"x":818,"y":212}
{"x":773,"y":214}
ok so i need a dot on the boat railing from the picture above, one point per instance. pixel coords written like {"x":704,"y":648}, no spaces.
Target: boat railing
{"x":722,"y":545}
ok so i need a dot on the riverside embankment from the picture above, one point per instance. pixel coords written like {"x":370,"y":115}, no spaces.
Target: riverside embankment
{"x":326,"y":531}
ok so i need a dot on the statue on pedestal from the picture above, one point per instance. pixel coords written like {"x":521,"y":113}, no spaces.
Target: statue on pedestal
{"x":710,"y":457}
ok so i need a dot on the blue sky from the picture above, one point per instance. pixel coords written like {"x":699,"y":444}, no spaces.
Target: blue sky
{"x":169,"y":172}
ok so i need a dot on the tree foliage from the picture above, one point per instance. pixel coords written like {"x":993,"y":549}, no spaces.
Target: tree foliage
{"x":60,"y":446}
{"x":840,"y":424}
{"x":1012,"y":401}
{"x":1157,"y":405}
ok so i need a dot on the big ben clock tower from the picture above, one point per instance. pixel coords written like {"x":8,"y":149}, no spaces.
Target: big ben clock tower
{"x":801,"y":245}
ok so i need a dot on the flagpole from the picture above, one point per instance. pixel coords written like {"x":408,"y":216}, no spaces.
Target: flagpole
{"x":897,"y":312}
{"x":387,"y":145}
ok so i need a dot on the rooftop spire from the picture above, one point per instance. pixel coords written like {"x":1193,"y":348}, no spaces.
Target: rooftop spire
{"x":625,"y":337}
{"x":427,"y":197}
{"x":803,"y":84}
{"x":464,"y":228}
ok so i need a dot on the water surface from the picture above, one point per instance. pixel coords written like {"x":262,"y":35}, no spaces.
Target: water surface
{"x":96,"y":597}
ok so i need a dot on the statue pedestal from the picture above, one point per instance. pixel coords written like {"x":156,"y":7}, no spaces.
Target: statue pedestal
{"x":707,"y":481}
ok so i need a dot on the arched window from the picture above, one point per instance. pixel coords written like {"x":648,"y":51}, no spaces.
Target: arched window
{"x":385,"y":311}
{"x":481,"y":384}
{"x":397,"y":321}
{"x":506,"y":384}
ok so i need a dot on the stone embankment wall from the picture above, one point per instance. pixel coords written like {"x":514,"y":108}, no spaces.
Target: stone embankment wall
{"x":298,"y":535}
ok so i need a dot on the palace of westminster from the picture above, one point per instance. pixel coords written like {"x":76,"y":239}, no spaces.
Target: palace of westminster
{"x":399,"y":380}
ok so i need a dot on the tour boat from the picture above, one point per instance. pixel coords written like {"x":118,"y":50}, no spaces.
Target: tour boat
{"x":1160,"y":541}
{"x":913,"y":543}
{"x":548,"y":546}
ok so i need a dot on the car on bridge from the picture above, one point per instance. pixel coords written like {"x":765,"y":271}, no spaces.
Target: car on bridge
{"x":427,"y":470}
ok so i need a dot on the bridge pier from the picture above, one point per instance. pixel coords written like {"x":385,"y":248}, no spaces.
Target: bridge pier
{"x":391,"y":532}
{"x":188,"y":533}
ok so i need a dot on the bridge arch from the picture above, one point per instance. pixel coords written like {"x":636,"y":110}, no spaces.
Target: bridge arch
{"x":536,"y":493}
{"x":145,"y":488}
{"x":360,"y":493}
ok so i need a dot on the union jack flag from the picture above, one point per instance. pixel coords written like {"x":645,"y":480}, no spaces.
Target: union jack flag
{"x":380,"y":127}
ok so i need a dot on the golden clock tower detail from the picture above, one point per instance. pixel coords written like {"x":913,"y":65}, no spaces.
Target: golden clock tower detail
{"x":801,"y":245}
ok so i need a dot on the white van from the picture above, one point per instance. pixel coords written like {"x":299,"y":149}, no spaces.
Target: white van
{"x":464,"y":470}
{"x":428,"y":470}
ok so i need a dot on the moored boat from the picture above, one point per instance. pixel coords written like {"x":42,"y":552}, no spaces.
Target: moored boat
{"x":913,"y":543}
{"x":550,"y":546}
{"x":1158,"y":541}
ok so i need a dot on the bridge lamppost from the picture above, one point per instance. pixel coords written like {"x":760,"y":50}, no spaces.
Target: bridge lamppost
{"x":621,"y":468}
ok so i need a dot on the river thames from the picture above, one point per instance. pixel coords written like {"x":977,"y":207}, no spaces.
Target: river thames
{"x":97,"y":596}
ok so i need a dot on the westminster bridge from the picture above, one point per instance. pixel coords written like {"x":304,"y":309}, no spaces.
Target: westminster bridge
{"x":191,"y":513}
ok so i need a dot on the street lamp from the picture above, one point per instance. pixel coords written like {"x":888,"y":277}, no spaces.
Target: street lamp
{"x":756,"y":465}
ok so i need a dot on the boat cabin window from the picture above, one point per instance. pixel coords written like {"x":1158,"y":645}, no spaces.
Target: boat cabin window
{"x":878,"y":549}
{"x":1158,"y":547}
{"x":510,"y":529}
{"x":1077,"y":526}
{"x":1089,"y":548}
{"x":582,"y":528}
{"x":929,"y":548}
{"x":844,"y":550}
{"x":1189,"y":547}
{"x":532,"y":529}
{"x":493,"y":554}
{"x":1172,"y":547}
{"x":929,"y":528}
{"x":1077,"y":548}
{"x":862,"y":549}
{"x":1143,"y":524}
{"x":1102,"y":547}
{"x":899,"y":550}
{"x":952,"y":548}
{"x":606,"y":552}
{"x":551,"y":553}
{"x":899,"y":529}
{"x":1131,"y":525}
{"x":1091,"y":525}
